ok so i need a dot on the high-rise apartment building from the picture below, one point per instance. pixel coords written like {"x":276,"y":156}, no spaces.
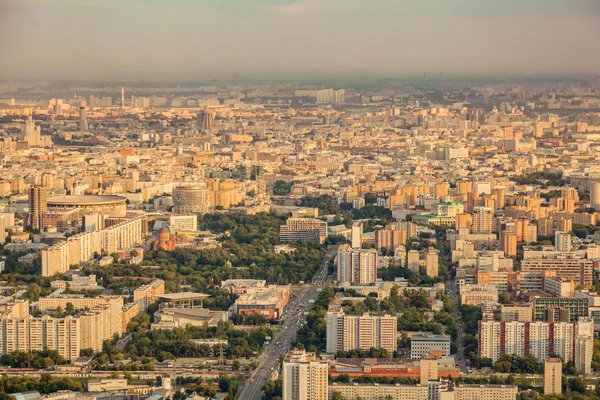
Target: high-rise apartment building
{"x":352,"y":332}
{"x":553,"y":376}
{"x":432,"y":262}
{"x":428,"y":370}
{"x":500,"y":195}
{"x":3,"y":225}
{"x":562,"y":241}
{"x":509,"y":243}
{"x":146,"y":294}
{"x":38,"y":205}
{"x":357,"y":234}
{"x":58,"y":258}
{"x":304,"y":377}
{"x":113,"y":324}
{"x":595,"y":196}
{"x":389,"y":238}
{"x":413,"y":260}
{"x":356,"y":266}
{"x":540,"y":339}
{"x":482,"y":220}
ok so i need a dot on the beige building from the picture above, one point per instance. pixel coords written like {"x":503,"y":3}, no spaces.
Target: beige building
{"x":486,"y":392}
{"x":36,"y":334}
{"x":475,"y":295}
{"x":515,"y":312}
{"x":578,"y":270}
{"x":356,"y":266}
{"x":351,"y":332}
{"x":428,"y":369}
{"x":114,"y":303}
{"x":147,"y":294}
{"x":15,"y":309}
{"x":569,"y":341}
{"x":553,"y":376}
{"x":308,"y":229}
{"x":377,"y":391}
{"x":79,"y":248}
{"x":130,"y":310}
{"x":432,"y":262}
{"x":304,"y":377}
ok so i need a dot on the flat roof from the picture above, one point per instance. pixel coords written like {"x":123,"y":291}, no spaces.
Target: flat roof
{"x":84,"y":200}
{"x":183,"y":296}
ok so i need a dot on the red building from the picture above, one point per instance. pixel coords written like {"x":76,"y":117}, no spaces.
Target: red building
{"x":164,"y":239}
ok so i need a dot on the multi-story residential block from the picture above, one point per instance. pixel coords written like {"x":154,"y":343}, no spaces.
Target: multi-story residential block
{"x":352,"y":332}
{"x":516,"y":312}
{"x":79,"y":248}
{"x":115,"y":304}
{"x":578,"y":270}
{"x":147,"y":294}
{"x":356,"y":265}
{"x":378,"y":391}
{"x":307,"y":229}
{"x":569,"y":341}
{"x":553,"y":370}
{"x":357,"y":234}
{"x":304,"y":377}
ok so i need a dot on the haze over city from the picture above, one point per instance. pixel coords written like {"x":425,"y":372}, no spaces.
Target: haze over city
{"x":194,"y":40}
{"x":299,"y":200}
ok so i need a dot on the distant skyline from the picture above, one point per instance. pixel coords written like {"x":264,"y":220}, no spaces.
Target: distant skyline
{"x":200,"y":39}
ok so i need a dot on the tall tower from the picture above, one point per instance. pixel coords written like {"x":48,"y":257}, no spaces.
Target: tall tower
{"x":482,"y":220}
{"x":83,"y":125}
{"x":595,"y":196}
{"x":31,"y":133}
{"x":552,"y":376}
{"x":38,"y":205}
{"x":209,"y":119}
{"x":122,"y":97}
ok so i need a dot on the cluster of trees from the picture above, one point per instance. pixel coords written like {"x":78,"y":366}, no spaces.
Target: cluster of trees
{"x":581,"y":231}
{"x":471,"y":316}
{"x":542,"y":179}
{"x":45,"y":384}
{"x":273,"y":390}
{"x":596,"y":356}
{"x":163,"y":345}
{"x":324,"y":203}
{"x":358,"y":353}
{"x":207,"y":388}
{"x":282,"y":188}
{"x":513,"y":364}
{"x":246,"y":243}
{"x":34,"y":359}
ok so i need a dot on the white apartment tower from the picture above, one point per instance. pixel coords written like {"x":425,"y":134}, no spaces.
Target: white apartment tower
{"x":304,"y":377}
{"x":356,"y":266}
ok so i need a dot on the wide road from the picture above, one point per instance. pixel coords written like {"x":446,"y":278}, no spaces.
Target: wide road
{"x":452,"y":292}
{"x":291,"y":322}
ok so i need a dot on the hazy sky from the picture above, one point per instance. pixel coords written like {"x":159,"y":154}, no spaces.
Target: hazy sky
{"x":199,"y":39}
